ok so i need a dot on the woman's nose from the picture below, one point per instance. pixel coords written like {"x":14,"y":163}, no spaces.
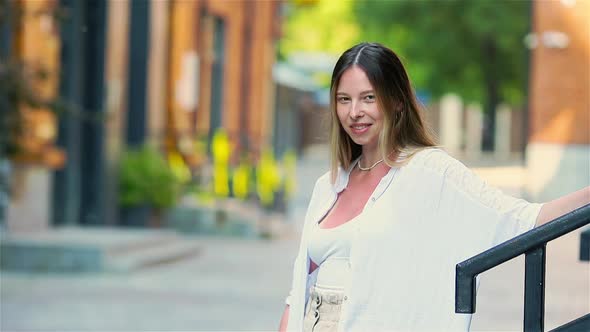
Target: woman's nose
{"x":356,"y":110}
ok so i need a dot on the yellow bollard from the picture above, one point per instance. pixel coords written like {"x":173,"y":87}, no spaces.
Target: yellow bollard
{"x":241,"y":181}
{"x":220,"y":148}
{"x":179,"y":167}
{"x":267,"y":178}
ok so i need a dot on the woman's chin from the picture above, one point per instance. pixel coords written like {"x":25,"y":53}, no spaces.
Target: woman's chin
{"x":364,"y":143}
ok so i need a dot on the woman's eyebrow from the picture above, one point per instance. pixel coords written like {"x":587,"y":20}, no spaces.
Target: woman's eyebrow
{"x":362,"y":92}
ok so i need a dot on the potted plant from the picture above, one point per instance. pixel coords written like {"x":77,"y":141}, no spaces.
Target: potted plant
{"x":147,"y":187}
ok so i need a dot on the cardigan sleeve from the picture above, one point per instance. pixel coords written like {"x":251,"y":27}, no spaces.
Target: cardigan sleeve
{"x":466,"y":194}
{"x":319,"y":189}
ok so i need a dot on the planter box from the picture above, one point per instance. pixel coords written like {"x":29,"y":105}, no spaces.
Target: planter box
{"x":135,"y":216}
{"x":211,"y":221}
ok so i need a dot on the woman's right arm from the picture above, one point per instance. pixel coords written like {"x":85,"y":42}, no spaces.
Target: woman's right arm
{"x":285,"y":317}
{"x":284,"y":320}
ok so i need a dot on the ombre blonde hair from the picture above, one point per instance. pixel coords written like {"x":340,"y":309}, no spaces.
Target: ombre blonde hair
{"x":404,"y":131}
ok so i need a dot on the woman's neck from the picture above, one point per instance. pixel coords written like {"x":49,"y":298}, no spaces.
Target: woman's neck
{"x":370,"y":157}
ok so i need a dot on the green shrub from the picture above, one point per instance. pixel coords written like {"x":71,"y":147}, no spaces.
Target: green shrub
{"x":146,"y":178}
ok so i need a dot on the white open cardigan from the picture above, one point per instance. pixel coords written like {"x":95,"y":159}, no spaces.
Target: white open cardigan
{"x":422,"y":219}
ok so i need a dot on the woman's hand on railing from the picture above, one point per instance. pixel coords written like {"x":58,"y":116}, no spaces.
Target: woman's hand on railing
{"x":563,"y":205}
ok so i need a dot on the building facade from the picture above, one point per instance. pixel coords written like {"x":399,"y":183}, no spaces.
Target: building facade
{"x":558,"y":151}
{"x":169,"y":73}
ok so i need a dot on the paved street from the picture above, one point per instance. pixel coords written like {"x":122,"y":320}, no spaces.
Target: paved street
{"x":240,"y":285}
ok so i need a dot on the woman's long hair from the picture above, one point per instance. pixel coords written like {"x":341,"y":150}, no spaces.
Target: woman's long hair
{"x":404,"y":131}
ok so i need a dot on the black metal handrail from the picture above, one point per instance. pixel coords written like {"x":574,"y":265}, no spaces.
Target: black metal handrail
{"x":585,"y":245}
{"x":533,"y":245}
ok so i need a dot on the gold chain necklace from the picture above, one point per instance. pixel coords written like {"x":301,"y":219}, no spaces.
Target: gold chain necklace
{"x":368,"y":168}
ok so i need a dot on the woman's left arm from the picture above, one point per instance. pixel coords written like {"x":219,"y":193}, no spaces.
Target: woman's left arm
{"x":560,"y":206}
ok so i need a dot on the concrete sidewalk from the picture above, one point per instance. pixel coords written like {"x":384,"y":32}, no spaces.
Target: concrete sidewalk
{"x":234,"y":285}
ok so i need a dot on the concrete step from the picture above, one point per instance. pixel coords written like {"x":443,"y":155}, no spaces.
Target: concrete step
{"x":148,"y":257}
{"x":91,"y":249}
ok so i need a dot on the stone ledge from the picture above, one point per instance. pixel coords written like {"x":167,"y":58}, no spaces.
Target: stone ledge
{"x":92,"y":250}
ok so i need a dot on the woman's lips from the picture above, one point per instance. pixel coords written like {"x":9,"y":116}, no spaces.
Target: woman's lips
{"x":359,"y":128}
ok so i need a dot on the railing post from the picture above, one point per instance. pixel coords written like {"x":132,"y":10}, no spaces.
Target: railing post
{"x":533,"y":244}
{"x":585,"y":245}
{"x":534,"y":290}
{"x":465,"y":290}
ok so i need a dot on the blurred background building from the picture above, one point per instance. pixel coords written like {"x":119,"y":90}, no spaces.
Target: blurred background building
{"x":558,"y":149}
{"x":165,"y":72}
{"x":173,"y":73}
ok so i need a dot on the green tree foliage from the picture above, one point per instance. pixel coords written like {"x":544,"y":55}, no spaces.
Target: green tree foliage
{"x":473,"y":48}
{"x":320,"y":26}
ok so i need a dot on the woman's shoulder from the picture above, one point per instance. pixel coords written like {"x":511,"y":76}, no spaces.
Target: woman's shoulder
{"x":456,"y":174}
{"x":322,"y":185}
{"x":438,"y":162}
{"x":433,"y":159}
{"x":324,"y":180}
{"x":322,"y":188}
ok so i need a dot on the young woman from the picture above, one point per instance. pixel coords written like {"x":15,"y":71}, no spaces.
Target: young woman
{"x":387,"y":224}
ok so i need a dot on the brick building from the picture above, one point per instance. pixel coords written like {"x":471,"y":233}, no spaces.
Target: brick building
{"x":164,"y":72}
{"x":558,"y":151}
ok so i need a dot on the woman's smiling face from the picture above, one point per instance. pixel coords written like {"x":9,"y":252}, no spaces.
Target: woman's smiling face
{"x":357,"y":109}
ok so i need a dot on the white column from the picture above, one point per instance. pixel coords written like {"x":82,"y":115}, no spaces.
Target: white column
{"x":451,"y":111}
{"x":28,"y":209}
{"x":473,"y":131}
{"x":502,"y":136}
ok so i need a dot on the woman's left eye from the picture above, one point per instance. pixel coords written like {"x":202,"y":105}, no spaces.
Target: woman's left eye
{"x":370,"y":97}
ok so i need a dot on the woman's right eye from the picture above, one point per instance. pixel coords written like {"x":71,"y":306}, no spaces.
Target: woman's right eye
{"x":342,"y":99}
